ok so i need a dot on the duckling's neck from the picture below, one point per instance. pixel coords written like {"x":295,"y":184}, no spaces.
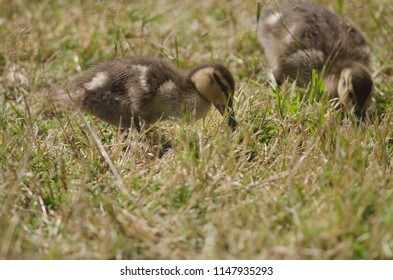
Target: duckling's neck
{"x":331,"y":83}
{"x":193,"y":101}
{"x":202,"y":106}
{"x":175,"y":101}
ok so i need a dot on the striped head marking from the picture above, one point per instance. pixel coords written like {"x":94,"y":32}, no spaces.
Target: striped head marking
{"x":355,"y":88}
{"x":215,"y":82}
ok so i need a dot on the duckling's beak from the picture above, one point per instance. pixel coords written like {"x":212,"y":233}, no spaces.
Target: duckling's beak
{"x":231,"y":116}
{"x":232,"y":121}
{"x":360,"y":114}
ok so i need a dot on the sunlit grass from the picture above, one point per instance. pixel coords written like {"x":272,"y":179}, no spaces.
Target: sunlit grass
{"x":297,"y":180}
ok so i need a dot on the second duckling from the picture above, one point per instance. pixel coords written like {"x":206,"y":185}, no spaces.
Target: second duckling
{"x":140,"y":91}
{"x":300,"y":37}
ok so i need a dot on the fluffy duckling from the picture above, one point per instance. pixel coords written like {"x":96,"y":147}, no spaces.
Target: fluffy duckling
{"x":299,"y":37}
{"x":137,"y":92}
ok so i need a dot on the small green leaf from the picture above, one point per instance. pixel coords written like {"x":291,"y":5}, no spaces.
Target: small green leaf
{"x":2,"y":63}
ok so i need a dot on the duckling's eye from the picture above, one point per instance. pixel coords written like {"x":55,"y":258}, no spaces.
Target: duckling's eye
{"x":220,"y":83}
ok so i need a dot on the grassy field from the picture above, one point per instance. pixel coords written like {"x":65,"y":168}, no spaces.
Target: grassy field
{"x":297,"y":180}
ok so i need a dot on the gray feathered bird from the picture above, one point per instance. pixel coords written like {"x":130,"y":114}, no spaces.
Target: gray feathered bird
{"x":299,"y":37}
{"x":139,"y":91}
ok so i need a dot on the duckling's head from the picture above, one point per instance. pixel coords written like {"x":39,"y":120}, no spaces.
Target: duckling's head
{"x":215,"y":82}
{"x":355,"y":88}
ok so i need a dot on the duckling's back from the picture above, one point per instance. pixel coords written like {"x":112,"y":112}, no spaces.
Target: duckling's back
{"x":123,"y":89}
{"x":300,"y":37}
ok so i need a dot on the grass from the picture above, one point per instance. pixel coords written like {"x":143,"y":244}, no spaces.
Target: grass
{"x":297,"y":180}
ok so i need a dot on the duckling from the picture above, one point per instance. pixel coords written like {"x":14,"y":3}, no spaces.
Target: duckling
{"x":300,"y":37}
{"x":138,"y":91}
